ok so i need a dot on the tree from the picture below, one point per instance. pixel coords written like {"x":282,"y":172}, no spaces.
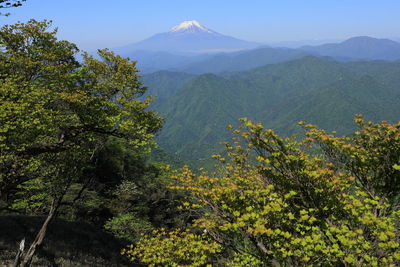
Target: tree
{"x":56,"y":112}
{"x":11,"y":3}
{"x":320,"y":201}
{"x":134,"y":192}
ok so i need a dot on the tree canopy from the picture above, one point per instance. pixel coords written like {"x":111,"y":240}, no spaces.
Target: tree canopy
{"x":57,"y":112}
{"x":320,"y":201}
{"x":51,"y":104}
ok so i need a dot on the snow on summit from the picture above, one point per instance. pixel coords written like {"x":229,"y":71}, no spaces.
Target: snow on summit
{"x":189,"y":37}
{"x":190,"y":26}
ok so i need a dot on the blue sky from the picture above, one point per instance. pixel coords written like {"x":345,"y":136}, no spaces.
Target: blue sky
{"x":99,"y":23}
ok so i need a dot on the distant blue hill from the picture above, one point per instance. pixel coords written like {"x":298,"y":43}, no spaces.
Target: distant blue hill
{"x":193,"y":48}
{"x":152,"y":61}
{"x":362,"y":47}
{"x":243,"y":60}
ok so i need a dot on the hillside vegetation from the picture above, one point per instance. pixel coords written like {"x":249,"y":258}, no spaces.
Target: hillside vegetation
{"x":318,"y":90}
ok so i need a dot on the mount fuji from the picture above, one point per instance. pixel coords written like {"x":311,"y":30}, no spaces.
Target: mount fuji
{"x":189,"y":37}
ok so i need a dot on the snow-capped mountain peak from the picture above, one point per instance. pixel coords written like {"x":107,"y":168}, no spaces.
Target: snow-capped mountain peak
{"x":191,"y":37}
{"x":190,"y":26}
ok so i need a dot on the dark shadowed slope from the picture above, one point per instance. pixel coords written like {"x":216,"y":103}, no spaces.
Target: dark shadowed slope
{"x":67,"y":244}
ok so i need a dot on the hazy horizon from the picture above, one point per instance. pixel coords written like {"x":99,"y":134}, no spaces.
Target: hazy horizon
{"x":98,"y":24}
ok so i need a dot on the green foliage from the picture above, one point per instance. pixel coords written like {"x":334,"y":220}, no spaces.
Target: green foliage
{"x":128,"y":226}
{"x":371,"y":156}
{"x":31,"y":197}
{"x":144,"y":196}
{"x":127,"y":193}
{"x":276,"y":201}
{"x":161,"y":156}
{"x":176,"y":248}
{"x":82,"y":202}
{"x":56,"y":114}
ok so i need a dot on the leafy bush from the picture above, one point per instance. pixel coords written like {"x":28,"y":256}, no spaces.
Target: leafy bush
{"x":320,"y":201}
{"x":128,"y":226}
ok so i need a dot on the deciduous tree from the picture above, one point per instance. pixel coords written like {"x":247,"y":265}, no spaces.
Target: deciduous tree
{"x":55,"y":112}
{"x":320,"y":201}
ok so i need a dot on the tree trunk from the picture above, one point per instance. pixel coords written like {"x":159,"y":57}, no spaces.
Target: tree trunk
{"x":20,"y":252}
{"x":27,"y":257}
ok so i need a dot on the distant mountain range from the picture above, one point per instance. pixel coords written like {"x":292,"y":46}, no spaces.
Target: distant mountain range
{"x":300,"y":43}
{"x":354,"y":49}
{"x":193,"y":48}
{"x":243,"y":60}
{"x":362,"y":47}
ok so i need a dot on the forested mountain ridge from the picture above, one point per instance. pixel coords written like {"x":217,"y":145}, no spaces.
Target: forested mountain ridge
{"x":317,"y":90}
{"x":170,"y":82}
{"x":244,"y":60}
{"x":353,"y":49}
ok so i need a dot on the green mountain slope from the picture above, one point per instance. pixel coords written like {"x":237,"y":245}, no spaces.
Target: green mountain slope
{"x":165,"y":83}
{"x":197,"y":115}
{"x":333,"y":107}
{"x":387,"y":73}
{"x":317,"y":90}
